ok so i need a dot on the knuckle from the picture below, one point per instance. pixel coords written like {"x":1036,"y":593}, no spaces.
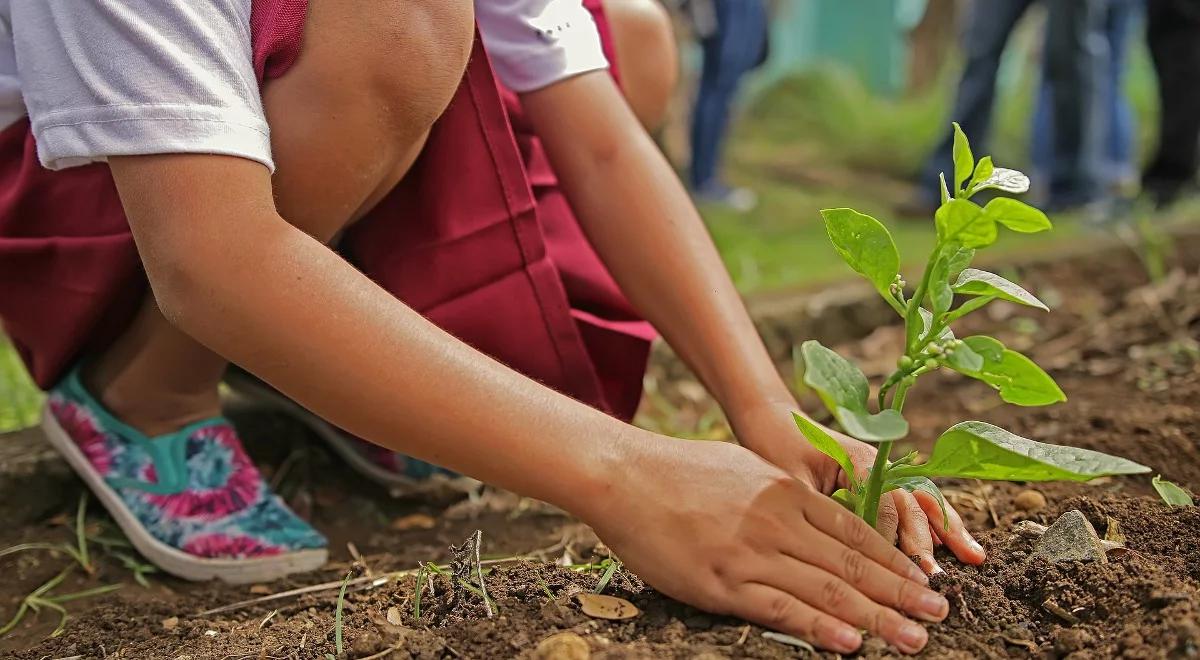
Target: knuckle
{"x":834,"y":594}
{"x":780,"y":610}
{"x":854,"y":566}
{"x":884,"y":621}
{"x":856,"y":531}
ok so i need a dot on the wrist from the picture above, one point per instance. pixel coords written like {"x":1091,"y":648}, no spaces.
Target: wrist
{"x":597,"y":475}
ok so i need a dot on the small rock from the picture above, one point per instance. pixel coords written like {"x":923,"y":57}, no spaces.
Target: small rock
{"x":1070,"y":640}
{"x":1030,"y":501}
{"x":1070,"y":538}
{"x":563,"y":646}
{"x":170,"y":623}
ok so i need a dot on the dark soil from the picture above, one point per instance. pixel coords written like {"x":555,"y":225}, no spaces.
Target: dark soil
{"x":1125,"y":353}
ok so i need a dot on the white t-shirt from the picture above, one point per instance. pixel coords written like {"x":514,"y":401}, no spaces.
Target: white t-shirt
{"x":125,"y":77}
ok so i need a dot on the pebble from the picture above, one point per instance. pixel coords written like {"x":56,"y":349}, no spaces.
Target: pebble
{"x":1070,"y":538}
{"x":563,"y":646}
{"x":1030,"y":501}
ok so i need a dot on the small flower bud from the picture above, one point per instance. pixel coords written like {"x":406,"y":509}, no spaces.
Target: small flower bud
{"x":904,"y":362}
{"x":931,"y":363}
{"x":935,"y":349}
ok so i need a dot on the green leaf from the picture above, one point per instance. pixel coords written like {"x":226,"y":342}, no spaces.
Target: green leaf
{"x":1017,"y":216}
{"x":958,"y":259}
{"x":942,"y":186}
{"x":927,"y":322}
{"x":912,"y":484}
{"x":826,"y":445}
{"x":1006,"y":180}
{"x":973,"y":282}
{"x":967,"y":307}
{"x":844,"y":390}
{"x":964,"y":223}
{"x":1171,"y":493}
{"x":981,"y":451}
{"x":941,"y":296}
{"x":865,"y":244}
{"x":963,"y":358}
{"x":983,"y":170}
{"x":846,"y":498}
{"x":1018,"y":380}
{"x":964,"y":160}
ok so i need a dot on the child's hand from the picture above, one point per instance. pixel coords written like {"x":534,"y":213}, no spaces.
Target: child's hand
{"x":714,"y":525}
{"x":914,"y":521}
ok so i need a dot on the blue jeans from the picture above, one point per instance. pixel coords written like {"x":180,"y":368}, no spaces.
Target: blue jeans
{"x":734,"y":49}
{"x":1072,"y":66}
{"x":1114,"y":115}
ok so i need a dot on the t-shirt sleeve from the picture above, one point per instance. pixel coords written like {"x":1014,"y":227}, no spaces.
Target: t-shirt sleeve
{"x":107,"y":78}
{"x":535,"y":43}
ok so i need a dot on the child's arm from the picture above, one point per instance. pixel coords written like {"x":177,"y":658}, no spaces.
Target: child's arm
{"x":709,"y":523}
{"x":641,"y":221}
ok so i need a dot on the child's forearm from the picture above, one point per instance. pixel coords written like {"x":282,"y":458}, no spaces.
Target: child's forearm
{"x":281,"y":304}
{"x":643,"y":224}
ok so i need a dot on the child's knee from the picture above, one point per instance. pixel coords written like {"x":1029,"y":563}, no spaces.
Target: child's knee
{"x":348,"y":119}
{"x":646,"y":55}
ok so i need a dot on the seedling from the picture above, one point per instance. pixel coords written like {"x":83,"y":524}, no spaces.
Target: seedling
{"x":969,"y":449}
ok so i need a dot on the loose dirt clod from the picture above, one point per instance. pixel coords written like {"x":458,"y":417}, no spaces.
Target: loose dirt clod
{"x":563,"y":646}
{"x":1030,"y":501}
{"x":1070,"y":538}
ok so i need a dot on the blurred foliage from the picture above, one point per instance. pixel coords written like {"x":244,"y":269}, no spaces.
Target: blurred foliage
{"x":20,"y":401}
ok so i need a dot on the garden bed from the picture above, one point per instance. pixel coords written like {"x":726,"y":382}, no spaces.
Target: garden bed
{"x":1123,"y":350}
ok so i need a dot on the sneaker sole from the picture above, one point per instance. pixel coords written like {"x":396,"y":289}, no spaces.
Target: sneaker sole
{"x":169,"y":559}
{"x":255,"y":393}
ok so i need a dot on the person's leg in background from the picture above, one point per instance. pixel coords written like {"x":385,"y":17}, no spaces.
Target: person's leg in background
{"x":1118,"y":171}
{"x":732,"y":50}
{"x":1124,"y":19}
{"x":647,"y":56}
{"x":989,"y":25}
{"x":1076,"y":61}
{"x":1173,"y":30}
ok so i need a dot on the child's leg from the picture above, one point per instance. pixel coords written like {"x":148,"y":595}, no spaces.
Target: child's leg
{"x":347,"y":121}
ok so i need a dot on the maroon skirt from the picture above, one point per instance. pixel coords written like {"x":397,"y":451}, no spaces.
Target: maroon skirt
{"x":478,"y":238}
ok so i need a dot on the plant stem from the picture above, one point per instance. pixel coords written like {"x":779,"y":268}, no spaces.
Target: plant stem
{"x":874,"y":489}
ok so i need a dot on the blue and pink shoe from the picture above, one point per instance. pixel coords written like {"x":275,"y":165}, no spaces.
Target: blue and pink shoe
{"x":400,"y":474}
{"x":191,"y":502}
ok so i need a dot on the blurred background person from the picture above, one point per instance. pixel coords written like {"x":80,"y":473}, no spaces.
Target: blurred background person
{"x":1173,"y":30}
{"x":1113,"y":118}
{"x":1074,"y":58}
{"x":733,"y":37}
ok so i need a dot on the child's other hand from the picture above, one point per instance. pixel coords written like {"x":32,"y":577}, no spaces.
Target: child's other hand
{"x":913,"y":521}
{"x":714,"y":525}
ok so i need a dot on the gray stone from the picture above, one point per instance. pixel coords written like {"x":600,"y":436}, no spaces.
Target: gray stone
{"x":1070,"y":538}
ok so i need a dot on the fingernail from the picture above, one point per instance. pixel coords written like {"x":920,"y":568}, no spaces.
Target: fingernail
{"x":933,"y":604}
{"x":974,"y":545}
{"x":847,"y":640}
{"x":912,"y":637}
{"x":937,"y":568}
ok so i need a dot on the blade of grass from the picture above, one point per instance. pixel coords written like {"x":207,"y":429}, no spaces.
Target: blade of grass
{"x":81,"y":532}
{"x":420,"y":588}
{"x":613,"y":565}
{"x":337,"y":616}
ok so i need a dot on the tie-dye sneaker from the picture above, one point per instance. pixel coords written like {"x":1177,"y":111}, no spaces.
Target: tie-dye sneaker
{"x":400,"y":474}
{"x":191,"y":502}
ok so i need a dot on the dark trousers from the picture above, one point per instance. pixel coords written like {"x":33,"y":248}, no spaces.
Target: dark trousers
{"x":735,"y":47}
{"x":1071,"y":66}
{"x":1173,"y":30}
